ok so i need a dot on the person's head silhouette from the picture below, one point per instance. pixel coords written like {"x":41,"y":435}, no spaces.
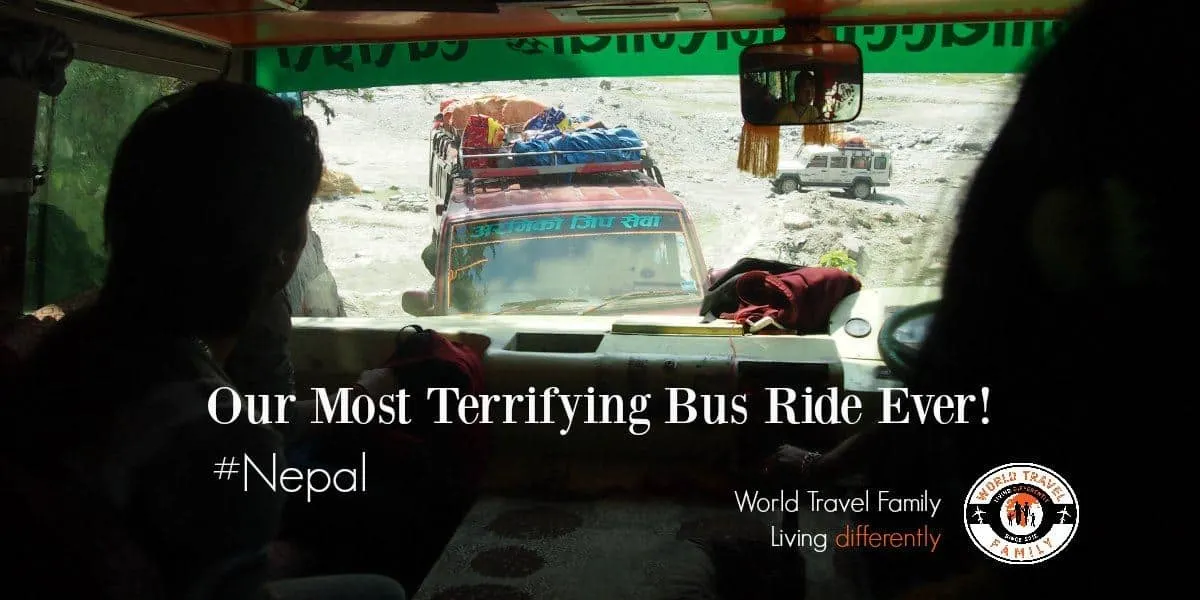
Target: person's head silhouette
{"x":1057,"y":240}
{"x":805,"y":89}
{"x":1056,"y":236}
{"x":207,"y":206}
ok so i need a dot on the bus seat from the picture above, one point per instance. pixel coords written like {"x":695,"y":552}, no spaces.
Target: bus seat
{"x":64,"y":546}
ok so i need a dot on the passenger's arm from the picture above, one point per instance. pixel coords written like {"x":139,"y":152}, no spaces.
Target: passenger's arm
{"x":304,"y":411}
{"x":261,"y":362}
{"x":850,"y":456}
{"x":302,"y":418}
{"x":210,"y":534}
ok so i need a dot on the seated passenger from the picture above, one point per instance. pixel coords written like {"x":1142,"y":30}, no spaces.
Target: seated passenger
{"x":402,"y":524}
{"x":206,"y":216}
{"x":803,"y":107}
{"x":1049,"y":275}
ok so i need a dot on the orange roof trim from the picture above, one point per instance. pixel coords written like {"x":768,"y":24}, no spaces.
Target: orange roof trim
{"x":266,"y":23}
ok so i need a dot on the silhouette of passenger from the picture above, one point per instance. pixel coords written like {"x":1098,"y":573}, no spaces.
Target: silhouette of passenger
{"x":1092,"y":245}
{"x":205,"y":219}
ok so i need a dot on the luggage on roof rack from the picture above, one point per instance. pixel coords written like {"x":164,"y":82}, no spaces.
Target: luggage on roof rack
{"x":487,"y":150}
{"x":509,"y":111}
{"x":510,"y":137}
{"x":853,"y":142}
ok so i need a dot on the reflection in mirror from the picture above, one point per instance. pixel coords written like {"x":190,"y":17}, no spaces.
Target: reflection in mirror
{"x":801,"y":84}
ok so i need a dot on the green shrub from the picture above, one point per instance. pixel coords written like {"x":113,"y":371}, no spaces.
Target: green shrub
{"x":839,"y":259}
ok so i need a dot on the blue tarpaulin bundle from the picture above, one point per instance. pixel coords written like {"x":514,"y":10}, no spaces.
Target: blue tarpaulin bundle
{"x":614,"y":140}
{"x":550,"y":119}
{"x":544,"y":136}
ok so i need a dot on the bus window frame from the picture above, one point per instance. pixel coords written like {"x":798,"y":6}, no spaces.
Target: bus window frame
{"x":101,"y":39}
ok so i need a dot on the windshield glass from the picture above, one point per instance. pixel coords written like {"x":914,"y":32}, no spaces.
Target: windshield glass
{"x":806,"y":154}
{"x":376,"y":211}
{"x":569,"y":261}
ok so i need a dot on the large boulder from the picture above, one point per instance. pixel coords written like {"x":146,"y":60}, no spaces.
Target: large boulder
{"x":335,"y":184}
{"x":313,"y":292}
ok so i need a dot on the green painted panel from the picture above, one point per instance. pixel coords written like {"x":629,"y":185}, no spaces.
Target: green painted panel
{"x":1000,"y":47}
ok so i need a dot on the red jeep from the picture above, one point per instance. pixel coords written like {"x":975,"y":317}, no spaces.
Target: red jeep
{"x":525,"y":228}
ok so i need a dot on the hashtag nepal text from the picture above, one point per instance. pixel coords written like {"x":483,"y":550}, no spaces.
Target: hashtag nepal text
{"x":246,"y":471}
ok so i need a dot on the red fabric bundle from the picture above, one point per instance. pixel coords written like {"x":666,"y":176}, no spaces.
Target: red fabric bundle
{"x":801,"y":300}
{"x":427,"y":360}
{"x":476,"y":140}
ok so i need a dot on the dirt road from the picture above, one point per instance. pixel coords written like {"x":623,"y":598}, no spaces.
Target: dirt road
{"x":937,"y":126}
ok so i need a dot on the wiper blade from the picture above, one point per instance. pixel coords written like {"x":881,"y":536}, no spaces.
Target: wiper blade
{"x":508,"y":307}
{"x":639,"y":294}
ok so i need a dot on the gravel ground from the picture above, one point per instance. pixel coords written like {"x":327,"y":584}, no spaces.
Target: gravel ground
{"x":937,"y":126}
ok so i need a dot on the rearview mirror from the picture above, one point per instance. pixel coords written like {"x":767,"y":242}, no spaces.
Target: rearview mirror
{"x":801,"y":84}
{"x":416,"y":303}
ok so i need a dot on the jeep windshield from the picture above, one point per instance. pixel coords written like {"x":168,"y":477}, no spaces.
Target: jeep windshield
{"x":572,"y":263}
{"x":807,"y":153}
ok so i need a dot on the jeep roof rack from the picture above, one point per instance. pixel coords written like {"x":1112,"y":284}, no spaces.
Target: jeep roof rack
{"x":446,"y":145}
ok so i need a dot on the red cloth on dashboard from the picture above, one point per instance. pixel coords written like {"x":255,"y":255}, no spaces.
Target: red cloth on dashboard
{"x":801,"y":300}
{"x":431,"y":471}
{"x":443,"y":349}
{"x":431,"y":360}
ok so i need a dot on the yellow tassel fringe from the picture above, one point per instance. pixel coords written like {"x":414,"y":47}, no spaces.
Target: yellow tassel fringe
{"x":817,"y":135}
{"x":758,"y":152}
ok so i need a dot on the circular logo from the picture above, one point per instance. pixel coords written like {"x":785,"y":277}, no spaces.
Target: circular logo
{"x":1021,"y":513}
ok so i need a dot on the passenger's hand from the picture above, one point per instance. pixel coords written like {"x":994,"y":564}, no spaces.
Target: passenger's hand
{"x":791,"y":461}
{"x":377,"y":382}
{"x":51,"y":311}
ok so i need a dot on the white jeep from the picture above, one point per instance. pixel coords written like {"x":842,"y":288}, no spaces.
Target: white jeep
{"x":856,"y":169}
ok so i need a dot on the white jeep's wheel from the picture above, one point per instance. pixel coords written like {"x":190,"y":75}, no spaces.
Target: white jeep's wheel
{"x":862,"y":189}
{"x":788,"y":185}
